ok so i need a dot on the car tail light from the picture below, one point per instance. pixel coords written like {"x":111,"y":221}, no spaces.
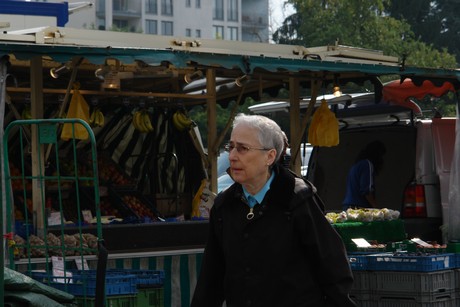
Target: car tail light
{"x":414,"y":201}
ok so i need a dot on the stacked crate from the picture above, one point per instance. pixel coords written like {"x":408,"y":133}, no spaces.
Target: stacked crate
{"x":120,"y":288}
{"x":150,"y":291}
{"x":406,"y":280}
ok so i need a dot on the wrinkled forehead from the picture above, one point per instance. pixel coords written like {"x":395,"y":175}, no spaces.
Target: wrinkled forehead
{"x":244,"y":134}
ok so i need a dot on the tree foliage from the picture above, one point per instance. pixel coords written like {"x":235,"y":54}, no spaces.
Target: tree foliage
{"x":434,"y":22}
{"x":366,"y":24}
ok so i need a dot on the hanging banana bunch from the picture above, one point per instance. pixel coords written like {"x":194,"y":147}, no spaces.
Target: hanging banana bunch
{"x":26,"y":113}
{"x":142,"y":122}
{"x":182,"y":121}
{"x":97,"y":119}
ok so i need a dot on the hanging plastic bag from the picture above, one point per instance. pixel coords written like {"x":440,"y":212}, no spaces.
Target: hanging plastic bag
{"x":78,"y":108}
{"x":324,"y":127}
{"x":202,"y":201}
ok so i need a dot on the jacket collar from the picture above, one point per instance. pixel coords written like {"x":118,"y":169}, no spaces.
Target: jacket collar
{"x":281,"y":189}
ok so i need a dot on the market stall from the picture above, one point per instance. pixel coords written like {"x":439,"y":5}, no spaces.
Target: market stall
{"x":137,"y":93}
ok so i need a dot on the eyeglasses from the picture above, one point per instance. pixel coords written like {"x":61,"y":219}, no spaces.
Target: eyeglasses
{"x":242,"y":149}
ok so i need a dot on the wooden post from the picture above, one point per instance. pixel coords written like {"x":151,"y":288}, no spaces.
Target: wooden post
{"x":212,"y":127}
{"x":36,"y":100}
{"x":295,"y":129}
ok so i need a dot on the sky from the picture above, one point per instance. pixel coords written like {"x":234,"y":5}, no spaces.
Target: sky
{"x":279,"y":12}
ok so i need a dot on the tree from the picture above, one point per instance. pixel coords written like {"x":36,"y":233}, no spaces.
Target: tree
{"x":434,"y":22}
{"x":358,"y":23}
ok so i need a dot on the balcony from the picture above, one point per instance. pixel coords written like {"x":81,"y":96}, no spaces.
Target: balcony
{"x":254,"y":21}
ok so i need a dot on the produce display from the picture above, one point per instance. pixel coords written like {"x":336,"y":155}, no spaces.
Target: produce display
{"x":363,"y":215}
{"x":108,"y":208}
{"x":137,"y":206}
{"x":69,"y":245}
{"x":181,"y":121}
{"x":97,"y":119}
{"x":142,"y":122}
{"x":118,"y":198}
{"x":110,"y":173}
{"x":378,"y":226}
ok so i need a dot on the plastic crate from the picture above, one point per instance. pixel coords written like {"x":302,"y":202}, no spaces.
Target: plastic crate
{"x":400,"y":262}
{"x":361,"y":281}
{"x":362,"y":299}
{"x":111,"y":301}
{"x":148,"y":278}
{"x":358,"y":261}
{"x":150,"y":297}
{"x":453,"y":247}
{"x":405,"y":245}
{"x":457,"y":280}
{"x":144,"y":278}
{"x":447,"y":299}
{"x":83,"y":283}
{"x":380,"y":231}
{"x":413,"y":283}
{"x":456,"y":260}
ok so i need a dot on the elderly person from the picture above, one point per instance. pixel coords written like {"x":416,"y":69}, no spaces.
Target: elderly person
{"x":269,"y":242}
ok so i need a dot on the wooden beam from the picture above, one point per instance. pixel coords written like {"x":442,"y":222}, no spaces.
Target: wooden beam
{"x":38,"y":165}
{"x":112,"y":93}
{"x":294,"y":117}
{"x":297,"y":136}
{"x":211,"y":105}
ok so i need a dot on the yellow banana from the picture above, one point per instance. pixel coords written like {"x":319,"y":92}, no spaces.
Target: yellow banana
{"x":179,"y":126}
{"x":136,"y":121}
{"x":147,"y":122}
{"x":101,"y":118}
{"x":26,"y":113}
{"x":184,"y":120}
{"x":140,"y":122}
{"x":92,"y":118}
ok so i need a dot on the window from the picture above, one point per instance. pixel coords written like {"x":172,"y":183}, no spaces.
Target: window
{"x":233,"y":33}
{"x":198,"y":33}
{"x":120,"y":24}
{"x":188,"y":32}
{"x":188,"y":3}
{"x":151,"y":6}
{"x":198,"y":4}
{"x":218,"y":32}
{"x":166,"y":7}
{"x":218,"y":10}
{"x":167,"y":28}
{"x":120,"y":5}
{"x":151,"y":26}
{"x":232,"y":13}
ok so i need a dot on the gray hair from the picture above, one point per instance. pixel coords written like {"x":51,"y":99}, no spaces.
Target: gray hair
{"x":269,"y":132}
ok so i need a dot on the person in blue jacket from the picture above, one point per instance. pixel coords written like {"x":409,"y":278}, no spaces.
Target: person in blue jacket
{"x":269,"y":242}
{"x":360,"y":192}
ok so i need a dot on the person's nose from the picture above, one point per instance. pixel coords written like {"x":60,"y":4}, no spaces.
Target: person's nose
{"x":232,"y":155}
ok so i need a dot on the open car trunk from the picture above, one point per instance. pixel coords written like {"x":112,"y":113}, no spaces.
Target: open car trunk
{"x":329,"y":166}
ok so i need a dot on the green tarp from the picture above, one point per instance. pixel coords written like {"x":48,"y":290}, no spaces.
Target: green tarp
{"x":21,"y":290}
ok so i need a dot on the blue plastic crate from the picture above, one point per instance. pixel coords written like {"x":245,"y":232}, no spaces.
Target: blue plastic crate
{"x":148,"y":278}
{"x":358,"y":262}
{"x":144,"y":278}
{"x":83,"y":283}
{"x":414,"y":263}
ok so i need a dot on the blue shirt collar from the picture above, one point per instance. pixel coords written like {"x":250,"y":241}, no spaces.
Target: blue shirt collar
{"x":259,"y":197}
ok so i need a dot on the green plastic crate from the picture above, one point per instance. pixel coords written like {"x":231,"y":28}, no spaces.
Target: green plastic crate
{"x":150,"y":297}
{"x":380,"y":231}
{"x":111,"y":301}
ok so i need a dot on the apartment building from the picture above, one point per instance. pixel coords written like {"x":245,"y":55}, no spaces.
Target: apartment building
{"x":239,"y":20}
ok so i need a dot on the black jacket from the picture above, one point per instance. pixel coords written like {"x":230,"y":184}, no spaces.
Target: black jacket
{"x":288,"y":255}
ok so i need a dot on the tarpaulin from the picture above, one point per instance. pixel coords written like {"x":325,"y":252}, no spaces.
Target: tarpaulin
{"x":400,"y":93}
